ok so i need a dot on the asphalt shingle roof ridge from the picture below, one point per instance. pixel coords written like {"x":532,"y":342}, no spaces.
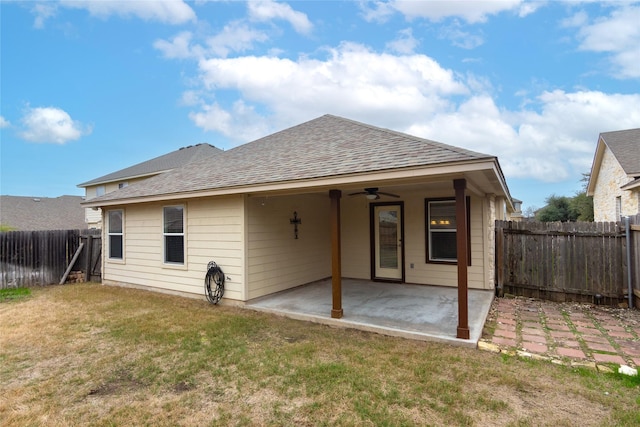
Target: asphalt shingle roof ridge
{"x":459,"y":150}
{"x":625,"y":146}
{"x":176,"y":158}
{"x":322,"y":147}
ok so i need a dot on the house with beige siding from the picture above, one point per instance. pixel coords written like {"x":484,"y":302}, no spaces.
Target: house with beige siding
{"x":329,"y":198}
{"x":139,"y":172}
{"x":614,"y":182}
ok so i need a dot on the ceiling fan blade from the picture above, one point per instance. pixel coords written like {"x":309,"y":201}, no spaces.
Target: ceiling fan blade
{"x":389,"y":194}
{"x":359,"y":192}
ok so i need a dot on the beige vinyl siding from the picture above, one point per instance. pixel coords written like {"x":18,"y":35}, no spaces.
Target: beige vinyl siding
{"x":356,"y":247}
{"x":93,"y":218}
{"x":275,"y":259}
{"x":213,"y":232}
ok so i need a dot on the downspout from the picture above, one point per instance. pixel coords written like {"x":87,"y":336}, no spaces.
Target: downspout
{"x":629,"y":278}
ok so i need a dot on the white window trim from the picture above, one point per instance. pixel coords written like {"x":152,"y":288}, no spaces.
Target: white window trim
{"x":109,"y":234}
{"x":165,"y":263}
{"x":103,"y":188}
{"x":429,"y":257}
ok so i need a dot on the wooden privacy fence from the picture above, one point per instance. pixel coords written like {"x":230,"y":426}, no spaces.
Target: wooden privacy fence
{"x":584,"y":262}
{"x":29,"y":258}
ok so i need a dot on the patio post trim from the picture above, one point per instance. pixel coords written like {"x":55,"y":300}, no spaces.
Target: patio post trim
{"x":461,"y":246}
{"x":336,"y":266}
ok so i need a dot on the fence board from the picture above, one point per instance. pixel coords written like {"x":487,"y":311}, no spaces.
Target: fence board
{"x":565,"y":261}
{"x":29,"y":258}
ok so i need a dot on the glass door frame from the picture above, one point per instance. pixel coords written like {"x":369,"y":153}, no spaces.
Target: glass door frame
{"x":373,"y":242}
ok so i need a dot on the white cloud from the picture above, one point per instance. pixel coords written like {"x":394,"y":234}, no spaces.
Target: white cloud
{"x":578,"y":19}
{"x":376,"y":11}
{"x":179,"y":47}
{"x":43,"y":11}
{"x":167,"y":11}
{"x":352,"y":81}
{"x":234,"y":37}
{"x":460,"y":38}
{"x":50,"y":124}
{"x":471,"y":11}
{"x":618,"y":35}
{"x":550,"y":143}
{"x":242,"y":123}
{"x":267,"y":10}
{"x":190,"y":98}
{"x":551,"y":138}
{"x":4,"y":123}
{"x":405,"y":43}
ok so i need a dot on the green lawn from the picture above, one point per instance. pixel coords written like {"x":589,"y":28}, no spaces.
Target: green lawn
{"x":88,"y":354}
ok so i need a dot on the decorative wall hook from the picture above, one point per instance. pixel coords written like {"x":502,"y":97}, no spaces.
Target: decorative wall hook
{"x":295,"y":221}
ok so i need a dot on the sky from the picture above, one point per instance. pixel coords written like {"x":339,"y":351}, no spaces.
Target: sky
{"x":91,"y":87}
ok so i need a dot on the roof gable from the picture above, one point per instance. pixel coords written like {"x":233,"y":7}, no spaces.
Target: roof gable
{"x":625,"y":146}
{"x":328,"y":146}
{"x":159,"y":164}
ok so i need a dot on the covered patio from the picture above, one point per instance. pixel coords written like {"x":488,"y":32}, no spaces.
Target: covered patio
{"x":421,"y":312}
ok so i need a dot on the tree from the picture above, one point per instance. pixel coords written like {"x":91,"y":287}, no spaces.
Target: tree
{"x":558,"y":208}
{"x":582,"y":206}
{"x":561,"y":208}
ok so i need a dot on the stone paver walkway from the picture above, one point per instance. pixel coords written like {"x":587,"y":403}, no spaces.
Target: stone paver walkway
{"x":570,"y":333}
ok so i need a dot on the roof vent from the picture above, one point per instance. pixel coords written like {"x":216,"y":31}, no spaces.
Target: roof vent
{"x":36,"y":200}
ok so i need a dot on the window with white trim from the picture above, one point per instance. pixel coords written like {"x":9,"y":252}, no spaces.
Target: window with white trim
{"x":101,"y":190}
{"x":123,"y":184}
{"x":441,"y":231}
{"x":173,"y":234}
{"x":116,"y":233}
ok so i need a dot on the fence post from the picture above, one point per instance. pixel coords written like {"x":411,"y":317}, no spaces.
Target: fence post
{"x":89,"y":256}
{"x":499,"y":259}
{"x":627,"y":229}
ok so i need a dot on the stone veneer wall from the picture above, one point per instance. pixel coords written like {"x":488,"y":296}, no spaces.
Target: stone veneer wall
{"x":610,"y":178}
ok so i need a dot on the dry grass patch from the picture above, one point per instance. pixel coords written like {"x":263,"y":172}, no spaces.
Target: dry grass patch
{"x":88,"y":354}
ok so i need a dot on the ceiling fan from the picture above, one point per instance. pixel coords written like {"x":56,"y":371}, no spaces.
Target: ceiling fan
{"x":372,"y":193}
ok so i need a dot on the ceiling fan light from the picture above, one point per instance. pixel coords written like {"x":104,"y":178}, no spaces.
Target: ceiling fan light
{"x":371,"y":196}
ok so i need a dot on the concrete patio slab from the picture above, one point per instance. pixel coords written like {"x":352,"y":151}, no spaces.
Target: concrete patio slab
{"x":420,"y":312}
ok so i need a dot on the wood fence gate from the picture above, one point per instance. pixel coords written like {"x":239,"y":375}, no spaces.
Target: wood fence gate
{"x":577,"y":261}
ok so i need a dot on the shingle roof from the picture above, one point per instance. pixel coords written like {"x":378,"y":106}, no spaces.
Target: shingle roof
{"x":625,"y":146}
{"x":328,"y":146}
{"x":42,"y":213}
{"x":162,"y":163}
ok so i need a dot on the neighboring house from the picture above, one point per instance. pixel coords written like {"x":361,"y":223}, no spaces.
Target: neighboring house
{"x":139,"y":172}
{"x":42,"y":213}
{"x":516,"y":215}
{"x":327,"y":198}
{"x":614,"y":183}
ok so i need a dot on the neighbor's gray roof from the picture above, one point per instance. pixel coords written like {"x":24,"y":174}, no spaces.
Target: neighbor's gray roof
{"x":328,"y":146}
{"x":42,"y":213}
{"x":162,"y":163}
{"x":625,"y":145}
